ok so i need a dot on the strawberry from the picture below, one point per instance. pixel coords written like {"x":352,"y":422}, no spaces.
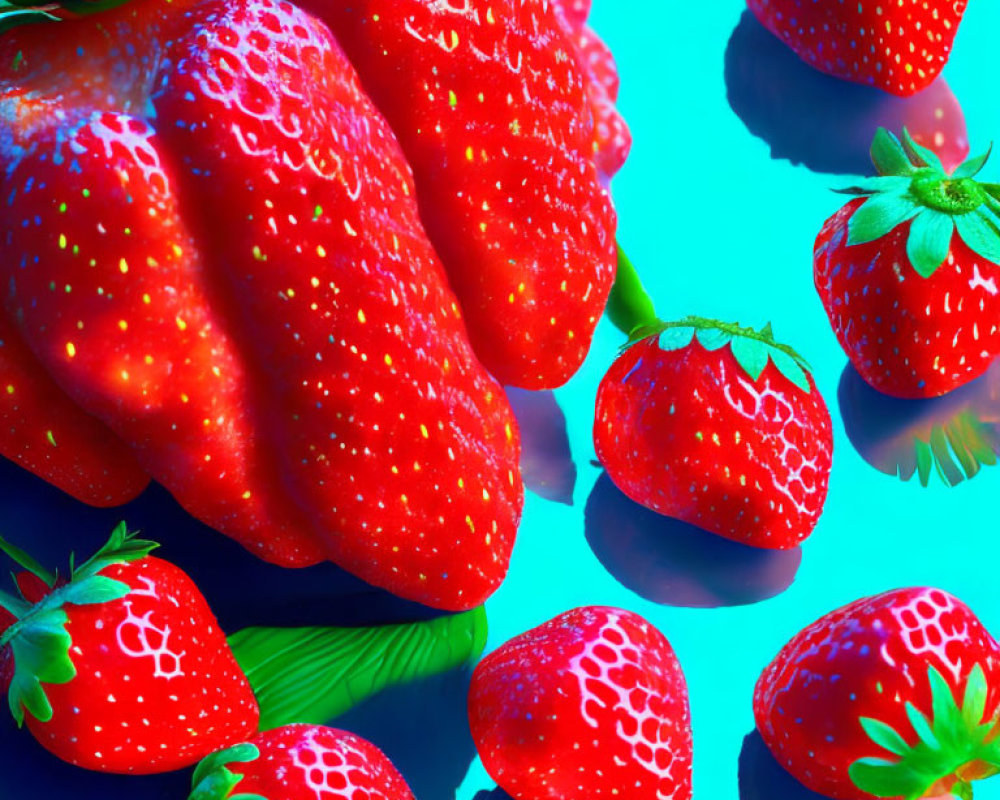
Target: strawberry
{"x":217,"y":253}
{"x":591,"y":702}
{"x":495,"y":106}
{"x":719,"y":426}
{"x":300,"y":762}
{"x":896,"y":695}
{"x":908,"y":271}
{"x":899,"y":47}
{"x":123,"y":668}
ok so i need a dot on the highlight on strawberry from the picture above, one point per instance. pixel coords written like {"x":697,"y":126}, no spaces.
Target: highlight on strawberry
{"x":593,"y":698}
{"x":299,"y":762}
{"x":908,"y":271}
{"x":896,"y":696}
{"x":899,"y":47}
{"x":718,"y":425}
{"x":120,"y":667}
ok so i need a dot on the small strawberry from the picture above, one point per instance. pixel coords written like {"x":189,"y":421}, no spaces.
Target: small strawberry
{"x":719,"y":426}
{"x":300,"y":762}
{"x":592,"y":702}
{"x":123,"y":668}
{"x":908,"y":272}
{"x":896,"y":46}
{"x":896,"y":695}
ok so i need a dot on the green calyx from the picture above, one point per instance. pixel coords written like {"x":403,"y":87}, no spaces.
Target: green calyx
{"x":13,"y":13}
{"x":953,"y":748}
{"x":38,"y":637}
{"x":751,"y":348}
{"x":213,"y":780}
{"x":913,"y":187}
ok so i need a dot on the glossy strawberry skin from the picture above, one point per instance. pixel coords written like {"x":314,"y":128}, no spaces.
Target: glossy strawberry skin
{"x":303,"y":762}
{"x":157,"y":687}
{"x":867,"y":659}
{"x":906,"y":335}
{"x":594,"y":698}
{"x":898,"y":47}
{"x":689,"y":434}
{"x":247,"y":298}
{"x":495,"y":106}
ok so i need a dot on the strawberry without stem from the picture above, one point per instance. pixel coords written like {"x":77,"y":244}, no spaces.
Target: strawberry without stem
{"x":896,"y":695}
{"x":908,"y":275}
{"x":123,"y":668}
{"x":719,"y":426}
{"x":898,"y":46}
{"x":300,"y":762}
{"x":592,"y":702}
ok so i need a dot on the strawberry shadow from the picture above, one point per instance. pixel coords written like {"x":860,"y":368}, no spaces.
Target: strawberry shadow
{"x":547,"y":466}
{"x":954,"y":435}
{"x":673,"y":563}
{"x":423,"y":728}
{"x":761,"y":777}
{"x":496,"y":794}
{"x":824,"y":123}
{"x":241,"y":589}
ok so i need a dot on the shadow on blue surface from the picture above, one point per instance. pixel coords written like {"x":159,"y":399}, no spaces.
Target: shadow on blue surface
{"x":821,"y":122}
{"x":763,"y":778}
{"x":670,"y":562}
{"x":241,"y":589}
{"x":496,"y":794}
{"x":954,"y":435}
{"x":547,"y":466}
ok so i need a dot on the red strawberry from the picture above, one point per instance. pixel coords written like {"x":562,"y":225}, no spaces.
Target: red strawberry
{"x":592,"y":702}
{"x":241,"y":290}
{"x":123,"y":668}
{"x":897,"y":46}
{"x":719,"y":426}
{"x":300,"y":762}
{"x":494,"y":105}
{"x":908,"y":274}
{"x":896,"y":695}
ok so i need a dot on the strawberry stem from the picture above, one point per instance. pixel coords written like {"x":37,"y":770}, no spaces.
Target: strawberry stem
{"x":629,"y":305}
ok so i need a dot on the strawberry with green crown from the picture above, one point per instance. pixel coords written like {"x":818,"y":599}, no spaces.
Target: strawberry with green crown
{"x":121,"y":668}
{"x":908,"y":271}
{"x":894,"y":696}
{"x":715,"y":424}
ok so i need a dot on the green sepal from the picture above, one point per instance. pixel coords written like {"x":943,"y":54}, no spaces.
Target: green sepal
{"x":955,"y":450}
{"x":889,"y":184}
{"x":929,"y":241}
{"x":38,"y":637}
{"x":752,"y":349}
{"x":972,"y":166}
{"x":980,"y":232}
{"x":629,"y":306}
{"x":879,"y":215}
{"x":952,"y":738}
{"x":888,"y":154}
{"x":919,"y":153}
{"x":212,"y":780}
{"x":315,"y":674}
{"x":23,"y":559}
{"x":11,"y":16}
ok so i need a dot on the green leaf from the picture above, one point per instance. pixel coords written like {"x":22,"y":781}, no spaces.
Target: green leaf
{"x":929,"y":241}
{"x":974,"y":701}
{"x":884,"y":736}
{"x":713,"y":338}
{"x":971,"y":167}
{"x":885,"y":184}
{"x":791,"y":368}
{"x":979,"y":233}
{"x":315,"y":674}
{"x":23,"y":559}
{"x":629,"y":306}
{"x":888,"y":155}
{"x":750,"y":354}
{"x":212,"y":780}
{"x":923,"y":154}
{"x":878,"y":216}
{"x":675,"y":338}
{"x":877,"y":777}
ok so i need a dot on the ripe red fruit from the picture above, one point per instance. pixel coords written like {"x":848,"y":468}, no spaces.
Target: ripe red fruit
{"x":896,"y":695}
{"x":591,"y":702}
{"x":123,"y":668}
{"x":896,"y":46}
{"x":300,"y":762}
{"x":908,"y":272}
{"x":217,"y":255}
{"x":719,"y":426}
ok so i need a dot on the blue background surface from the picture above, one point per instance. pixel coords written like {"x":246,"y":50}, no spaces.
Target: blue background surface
{"x":717,"y":227}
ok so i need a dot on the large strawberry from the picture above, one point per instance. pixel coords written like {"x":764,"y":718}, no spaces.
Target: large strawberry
{"x":896,"y":695}
{"x":908,"y":272}
{"x":123,"y":668}
{"x":212,"y":246}
{"x":505,"y":111}
{"x":897,"y":46}
{"x":300,"y":762}
{"x":720,"y":426}
{"x":591,"y":702}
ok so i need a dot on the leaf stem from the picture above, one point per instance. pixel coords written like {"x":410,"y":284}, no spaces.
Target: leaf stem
{"x":629,"y":305}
